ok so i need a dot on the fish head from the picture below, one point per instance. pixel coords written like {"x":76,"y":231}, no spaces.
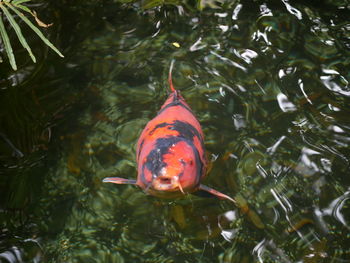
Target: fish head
{"x":174,"y":171}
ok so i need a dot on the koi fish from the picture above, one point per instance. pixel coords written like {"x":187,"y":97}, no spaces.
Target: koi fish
{"x":170,"y":155}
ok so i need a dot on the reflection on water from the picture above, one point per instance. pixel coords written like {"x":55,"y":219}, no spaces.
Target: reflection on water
{"x":269,"y":83}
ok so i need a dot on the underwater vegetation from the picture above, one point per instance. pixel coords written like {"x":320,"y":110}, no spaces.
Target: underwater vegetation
{"x":267,"y":80}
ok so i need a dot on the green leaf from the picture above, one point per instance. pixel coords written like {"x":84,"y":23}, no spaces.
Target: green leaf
{"x":36,"y":30}
{"x":18,"y":32}
{"x":7,"y":43}
{"x":17,"y":2}
{"x":24,"y":8}
{"x":209,"y":3}
{"x":148,"y":4}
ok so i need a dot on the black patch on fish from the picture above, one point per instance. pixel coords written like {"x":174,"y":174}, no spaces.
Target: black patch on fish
{"x":140,"y":147}
{"x":160,"y":125}
{"x":187,"y":130}
{"x":155,"y":162}
{"x":163,"y":124}
{"x":182,"y":162}
{"x":184,"y":129}
{"x":175,"y":103}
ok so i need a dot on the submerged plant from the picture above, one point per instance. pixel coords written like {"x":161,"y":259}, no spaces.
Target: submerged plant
{"x":9,"y":8}
{"x":191,"y":5}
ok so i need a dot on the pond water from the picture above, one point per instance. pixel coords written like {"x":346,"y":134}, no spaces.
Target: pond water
{"x":269,"y":83}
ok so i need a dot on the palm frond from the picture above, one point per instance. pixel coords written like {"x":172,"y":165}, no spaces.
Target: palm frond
{"x":18,"y":31}
{"x":23,"y":7}
{"x":16,"y":2}
{"x":14,"y":6}
{"x":36,"y":30}
{"x":7,"y":45}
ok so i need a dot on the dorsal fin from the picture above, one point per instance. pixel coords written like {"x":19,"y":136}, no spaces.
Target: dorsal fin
{"x":170,"y":78}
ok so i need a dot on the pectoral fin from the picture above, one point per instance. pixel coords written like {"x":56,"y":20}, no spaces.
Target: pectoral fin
{"x":118,"y":180}
{"x":240,"y":202}
{"x":216,"y":193}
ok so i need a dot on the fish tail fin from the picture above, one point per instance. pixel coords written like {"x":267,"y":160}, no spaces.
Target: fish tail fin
{"x":170,"y":78}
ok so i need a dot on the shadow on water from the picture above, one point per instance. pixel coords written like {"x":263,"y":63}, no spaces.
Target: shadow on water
{"x":269,"y":82}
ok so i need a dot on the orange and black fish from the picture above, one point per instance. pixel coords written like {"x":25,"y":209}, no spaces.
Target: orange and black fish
{"x":170,"y":155}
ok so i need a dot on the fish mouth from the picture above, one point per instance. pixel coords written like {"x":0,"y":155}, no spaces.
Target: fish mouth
{"x":167,"y":183}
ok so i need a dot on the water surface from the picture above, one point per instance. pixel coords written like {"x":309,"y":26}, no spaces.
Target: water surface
{"x":269,"y":82}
